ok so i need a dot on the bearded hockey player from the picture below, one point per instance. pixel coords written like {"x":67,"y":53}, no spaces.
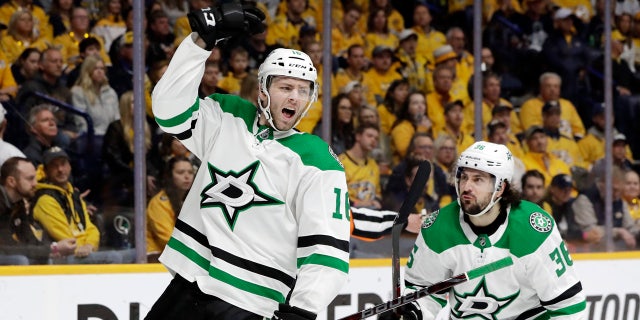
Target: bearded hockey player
{"x":264,"y":231}
{"x":487,"y":223}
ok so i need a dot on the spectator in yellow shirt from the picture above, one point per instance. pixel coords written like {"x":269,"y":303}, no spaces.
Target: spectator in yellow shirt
{"x":392,"y":104}
{"x":498,"y":133}
{"x":345,"y":32}
{"x":411,"y":119}
{"x":491,"y":98}
{"x":238,"y":62}
{"x":69,"y":42}
{"x":41,"y":27}
{"x":436,"y":100}
{"x":20,"y":35}
{"x":562,"y":146}
{"x":539,"y":158}
{"x":394,"y":18}
{"x":631,"y":193}
{"x":163,"y":208}
{"x":412,"y":66}
{"x":453,"y":120}
{"x":531,"y":111}
{"x":8,"y":86}
{"x":428,"y":38}
{"x":354,"y":70}
{"x":444,"y":56}
{"x":377,"y":80}
{"x":285,"y":28}
{"x":378,"y":33}
{"x":363,"y":175}
{"x":592,"y":145}
{"x":387,"y":112}
{"x":464,"y":63}
{"x":501,"y":115}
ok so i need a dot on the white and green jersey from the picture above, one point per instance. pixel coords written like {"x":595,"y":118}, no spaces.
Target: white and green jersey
{"x":541,"y":284}
{"x":267,"y":215}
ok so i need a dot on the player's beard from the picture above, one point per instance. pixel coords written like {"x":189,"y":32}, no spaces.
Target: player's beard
{"x":474,"y":208}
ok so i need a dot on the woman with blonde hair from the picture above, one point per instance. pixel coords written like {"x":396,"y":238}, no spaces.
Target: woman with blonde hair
{"x":92,"y":94}
{"x":20,"y":35}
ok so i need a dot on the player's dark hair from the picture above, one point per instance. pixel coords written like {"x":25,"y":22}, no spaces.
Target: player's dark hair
{"x":510,"y":197}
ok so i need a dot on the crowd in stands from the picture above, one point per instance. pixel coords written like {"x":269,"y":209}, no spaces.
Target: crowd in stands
{"x":401,"y":92}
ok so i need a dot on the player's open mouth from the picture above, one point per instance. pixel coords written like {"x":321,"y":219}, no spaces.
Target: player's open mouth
{"x":288,"y":113}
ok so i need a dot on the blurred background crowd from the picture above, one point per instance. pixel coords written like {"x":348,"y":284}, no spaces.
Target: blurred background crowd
{"x":401,"y":92}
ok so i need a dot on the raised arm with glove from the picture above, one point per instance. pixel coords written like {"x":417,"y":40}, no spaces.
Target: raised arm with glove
{"x":219,"y":23}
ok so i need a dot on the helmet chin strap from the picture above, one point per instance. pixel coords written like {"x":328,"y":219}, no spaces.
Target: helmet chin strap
{"x":266,"y":111}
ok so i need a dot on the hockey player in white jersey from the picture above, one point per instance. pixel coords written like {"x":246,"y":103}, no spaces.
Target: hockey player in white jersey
{"x":264,"y":231}
{"x":487,"y":223}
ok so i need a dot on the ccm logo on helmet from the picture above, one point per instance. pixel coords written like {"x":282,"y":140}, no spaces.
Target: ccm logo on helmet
{"x":296,"y":65}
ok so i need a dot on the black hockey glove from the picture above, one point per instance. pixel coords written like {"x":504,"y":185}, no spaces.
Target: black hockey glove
{"x":287,"y":312}
{"x":409,"y":311}
{"x":225,"y":21}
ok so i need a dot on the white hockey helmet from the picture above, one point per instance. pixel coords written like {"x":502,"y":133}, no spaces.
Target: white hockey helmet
{"x":492,"y":158}
{"x":288,"y":63}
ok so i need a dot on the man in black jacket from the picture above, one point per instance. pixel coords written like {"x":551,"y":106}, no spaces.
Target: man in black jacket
{"x":22,"y":240}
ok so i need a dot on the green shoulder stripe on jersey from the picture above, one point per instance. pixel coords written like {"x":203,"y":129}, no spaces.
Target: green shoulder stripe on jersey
{"x":237,"y":106}
{"x":324,"y":260}
{"x":445,"y":232}
{"x":224,"y":276}
{"x":521,"y":238}
{"x":578,"y":307}
{"x":181,"y":118}
{"x":313,"y":151}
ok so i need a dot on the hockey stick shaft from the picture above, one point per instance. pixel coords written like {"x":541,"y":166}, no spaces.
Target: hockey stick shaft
{"x":416,"y":190}
{"x":434,"y":288}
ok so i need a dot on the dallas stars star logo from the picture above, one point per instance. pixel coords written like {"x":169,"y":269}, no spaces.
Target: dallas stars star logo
{"x":234,"y":192}
{"x":480,"y":303}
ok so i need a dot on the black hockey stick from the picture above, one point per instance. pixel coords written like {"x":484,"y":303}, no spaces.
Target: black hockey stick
{"x":415,"y":192}
{"x":434,"y":288}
